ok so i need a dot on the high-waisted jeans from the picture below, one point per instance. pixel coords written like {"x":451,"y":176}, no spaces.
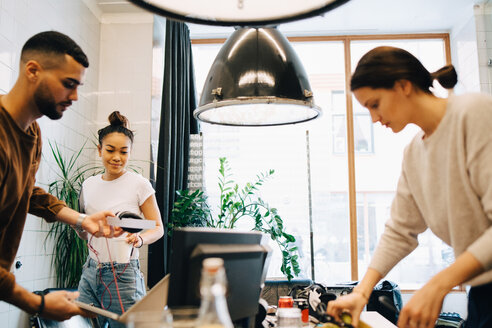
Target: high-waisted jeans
{"x":93,"y":290}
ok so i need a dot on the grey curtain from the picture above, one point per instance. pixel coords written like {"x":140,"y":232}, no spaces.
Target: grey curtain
{"x":176,"y":125}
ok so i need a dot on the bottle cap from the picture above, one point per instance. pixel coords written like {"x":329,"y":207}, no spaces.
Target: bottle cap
{"x":212,"y":264}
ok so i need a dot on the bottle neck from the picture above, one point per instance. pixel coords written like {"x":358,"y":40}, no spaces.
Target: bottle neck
{"x":213,"y":309}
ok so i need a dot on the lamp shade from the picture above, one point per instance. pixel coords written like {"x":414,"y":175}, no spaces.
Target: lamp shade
{"x":256,"y":80}
{"x":238,"y":12}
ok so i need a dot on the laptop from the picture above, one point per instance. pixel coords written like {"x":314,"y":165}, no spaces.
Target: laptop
{"x":155,"y":300}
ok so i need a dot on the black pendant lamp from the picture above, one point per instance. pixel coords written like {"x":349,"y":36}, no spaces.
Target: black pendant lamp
{"x":256,"y":80}
{"x":238,"y":12}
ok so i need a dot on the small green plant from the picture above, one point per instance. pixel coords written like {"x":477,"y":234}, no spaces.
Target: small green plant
{"x":191,"y":209}
{"x":69,"y":252}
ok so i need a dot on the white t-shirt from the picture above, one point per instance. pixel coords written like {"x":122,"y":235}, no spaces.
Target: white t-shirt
{"x":126,"y":193}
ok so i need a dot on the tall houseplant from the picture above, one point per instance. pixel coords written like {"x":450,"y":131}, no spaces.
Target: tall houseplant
{"x":192,"y":209}
{"x":70,"y":252}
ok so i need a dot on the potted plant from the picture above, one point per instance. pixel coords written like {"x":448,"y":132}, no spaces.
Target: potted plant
{"x":192,"y":209}
{"x":69,"y":252}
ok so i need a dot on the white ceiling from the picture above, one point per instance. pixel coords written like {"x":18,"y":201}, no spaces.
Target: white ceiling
{"x":354,"y":17}
{"x":117,"y":7}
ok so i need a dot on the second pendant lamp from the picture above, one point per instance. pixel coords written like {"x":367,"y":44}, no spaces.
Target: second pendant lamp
{"x":256,"y":80}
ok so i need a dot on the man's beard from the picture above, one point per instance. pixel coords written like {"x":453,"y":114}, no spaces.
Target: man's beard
{"x":45,"y":102}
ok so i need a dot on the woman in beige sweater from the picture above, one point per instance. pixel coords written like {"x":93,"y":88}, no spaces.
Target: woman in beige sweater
{"x":445,"y":184}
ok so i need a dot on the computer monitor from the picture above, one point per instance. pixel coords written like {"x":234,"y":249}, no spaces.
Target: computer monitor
{"x":246,"y":256}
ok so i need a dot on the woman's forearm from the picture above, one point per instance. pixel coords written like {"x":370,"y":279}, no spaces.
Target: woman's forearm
{"x":366,"y":285}
{"x":150,"y":236}
{"x":464,"y":268}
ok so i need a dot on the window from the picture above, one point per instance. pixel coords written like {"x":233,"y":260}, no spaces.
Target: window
{"x":310,"y":186}
{"x":363,"y":132}
{"x":377,"y":175}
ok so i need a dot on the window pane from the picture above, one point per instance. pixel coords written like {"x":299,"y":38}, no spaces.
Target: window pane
{"x":251,"y":151}
{"x":377,"y":175}
{"x":314,"y":175}
{"x":325,"y":66}
{"x":285,"y":149}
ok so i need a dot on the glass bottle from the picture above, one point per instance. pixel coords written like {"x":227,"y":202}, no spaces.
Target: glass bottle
{"x":213,"y":312}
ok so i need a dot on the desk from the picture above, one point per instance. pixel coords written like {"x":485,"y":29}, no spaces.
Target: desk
{"x":372,"y":319}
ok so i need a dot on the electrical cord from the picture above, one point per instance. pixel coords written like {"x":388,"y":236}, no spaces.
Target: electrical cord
{"x":116,"y":277}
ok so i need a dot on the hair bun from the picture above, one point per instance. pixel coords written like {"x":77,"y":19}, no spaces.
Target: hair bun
{"x":117,"y":119}
{"x":446,"y":76}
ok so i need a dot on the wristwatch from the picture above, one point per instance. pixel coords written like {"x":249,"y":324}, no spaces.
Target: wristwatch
{"x":40,"y":310}
{"x":78,"y":225}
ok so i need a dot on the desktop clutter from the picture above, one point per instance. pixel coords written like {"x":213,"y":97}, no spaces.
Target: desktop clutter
{"x":221,"y":272}
{"x":304,"y":307}
{"x":309,"y":301}
{"x":291,"y":312}
{"x":219,"y":275}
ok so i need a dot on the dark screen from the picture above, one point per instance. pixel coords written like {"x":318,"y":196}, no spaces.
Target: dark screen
{"x":246,"y":256}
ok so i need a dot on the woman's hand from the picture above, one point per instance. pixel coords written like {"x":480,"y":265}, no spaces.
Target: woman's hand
{"x":352,"y":303}
{"x":423,"y":309}
{"x":134,"y":239}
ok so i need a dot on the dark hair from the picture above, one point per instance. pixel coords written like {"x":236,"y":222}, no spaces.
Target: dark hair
{"x":117,"y":123}
{"x":383,"y":66}
{"x":53,"y":43}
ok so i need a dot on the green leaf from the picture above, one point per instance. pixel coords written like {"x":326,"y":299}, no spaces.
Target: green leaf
{"x":235,"y":203}
{"x":69,"y":251}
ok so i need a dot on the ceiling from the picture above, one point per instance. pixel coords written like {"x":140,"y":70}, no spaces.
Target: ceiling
{"x":354,"y":17}
{"x":117,"y":7}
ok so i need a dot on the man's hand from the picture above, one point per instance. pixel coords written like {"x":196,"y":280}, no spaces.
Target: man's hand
{"x":97,"y":225}
{"x":59,"y":306}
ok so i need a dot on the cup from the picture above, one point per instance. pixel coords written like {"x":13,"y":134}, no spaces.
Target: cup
{"x":289,"y":318}
{"x":150,"y":319}
{"x":184,"y":317}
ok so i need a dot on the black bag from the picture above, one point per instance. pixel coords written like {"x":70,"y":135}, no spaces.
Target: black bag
{"x":315,"y":294}
{"x":386,"y":300}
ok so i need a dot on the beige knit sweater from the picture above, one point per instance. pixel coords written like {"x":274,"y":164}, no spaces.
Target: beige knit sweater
{"x":446,"y":186}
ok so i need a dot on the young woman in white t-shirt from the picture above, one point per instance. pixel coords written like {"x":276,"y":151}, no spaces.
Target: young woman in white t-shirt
{"x":118,"y":190}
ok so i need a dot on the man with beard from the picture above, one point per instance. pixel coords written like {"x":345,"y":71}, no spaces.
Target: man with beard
{"x":51,"y":68}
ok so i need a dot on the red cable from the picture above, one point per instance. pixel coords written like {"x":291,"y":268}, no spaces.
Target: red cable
{"x":106,"y":287}
{"x":115,"y":279}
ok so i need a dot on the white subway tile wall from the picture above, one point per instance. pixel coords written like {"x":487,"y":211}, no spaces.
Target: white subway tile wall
{"x":118,"y":78}
{"x":20,"y":19}
{"x":464,"y":55}
{"x":483,"y":15}
{"x":471,"y":44}
{"x":125,"y":81}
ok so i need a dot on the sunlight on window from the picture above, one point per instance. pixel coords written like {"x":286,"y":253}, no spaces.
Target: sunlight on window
{"x":377,"y":176}
{"x":310,"y":184}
